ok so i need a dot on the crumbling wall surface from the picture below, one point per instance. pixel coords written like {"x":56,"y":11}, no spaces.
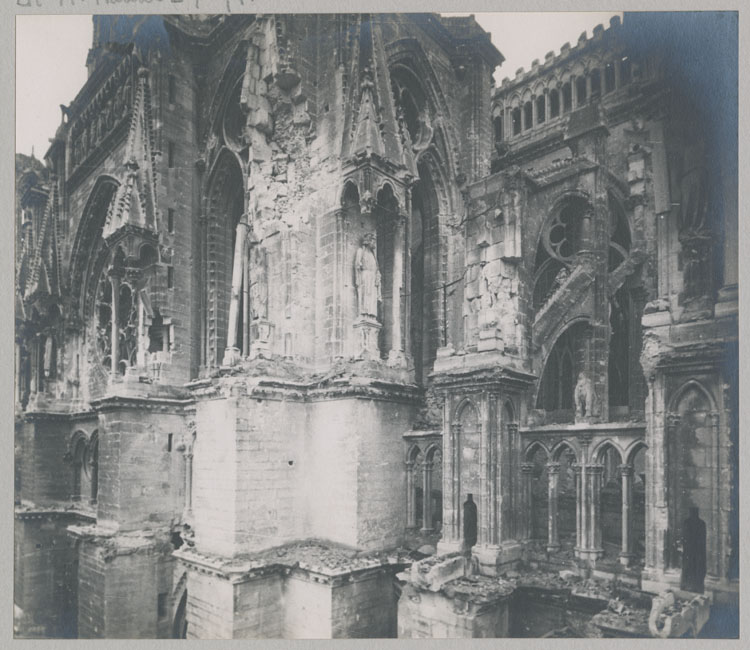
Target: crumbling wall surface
{"x":124,"y":585}
{"x":141,"y":479}
{"x":46,"y":477}
{"x":426,"y":614}
{"x":246,"y":474}
{"x":45,"y":586}
{"x":365,"y":606}
{"x":210,"y":607}
{"x":257,"y":608}
{"x":307,"y":607}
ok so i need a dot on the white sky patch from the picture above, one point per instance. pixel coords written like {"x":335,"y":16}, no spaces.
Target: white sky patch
{"x":51,"y":59}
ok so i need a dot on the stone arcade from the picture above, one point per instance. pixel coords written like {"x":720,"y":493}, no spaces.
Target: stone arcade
{"x":291,"y":290}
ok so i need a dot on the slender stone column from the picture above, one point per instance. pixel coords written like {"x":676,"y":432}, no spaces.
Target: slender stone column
{"x":232,"y":353}
{"x":426,"y":496}
{"x":188,"y":483}
{"x":547,"y":110}
{"x":595,"y":532}
{"x":579,"y":507}
{"x":452,"y":480}
{"x":626,"y":472}
{"x":553,"y":473}
{"x":411,"y":520}
{"x":527,"y":475}
{"x":396,"y":351}
{"x":115,"y":282}
{"x":534,"y":113}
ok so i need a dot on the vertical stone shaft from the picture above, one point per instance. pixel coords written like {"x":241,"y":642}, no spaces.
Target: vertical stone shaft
{"x":234,"y":305}
{"x":410,"y":514}
{"x":427,"y":496}
{"x":553,"y":471}
{"x":398,"y":273}
{"x":115,"y":282}
{"x":626,"y":472}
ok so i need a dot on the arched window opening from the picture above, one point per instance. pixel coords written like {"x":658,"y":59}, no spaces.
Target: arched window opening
{"x":567,"y":96}
{"x":179,"y":626}
{"x":81,"y":468}
{"x":497,"y":125}
{"x":554,"y":103}
{"x":558,"y":381}
{"x":539,"y":495}
{"x":566,"y":496}
{"x":386,"y":227}
{"x":540,"y":109}
{"x":625,"y":70}
{"x":692,"y":439}
{"x":580,"y":91}
{"x":411,"y":104}
{"x":516,"y":120}
{"x":620,"y":309}
{"x":596,"y":84}
{"x":93,"y":464}
{"x":225,"y":207}
{"x":436,"y":490}
{"x":527,"y":116}
{"x":427,"y":313}
{"x":609,"y":77}
{"x":611,"y":500}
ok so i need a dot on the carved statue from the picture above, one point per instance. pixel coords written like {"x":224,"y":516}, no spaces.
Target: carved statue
{"x":584,"y":397}
{"x":367,"y":277}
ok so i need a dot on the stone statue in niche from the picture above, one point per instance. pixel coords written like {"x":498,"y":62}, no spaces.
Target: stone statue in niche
{"x":367,"y":278}
{"x":584,"y":398}
{"x":258,"y":283}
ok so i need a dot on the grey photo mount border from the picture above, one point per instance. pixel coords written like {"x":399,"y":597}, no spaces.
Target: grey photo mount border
{"x":10,"y":8}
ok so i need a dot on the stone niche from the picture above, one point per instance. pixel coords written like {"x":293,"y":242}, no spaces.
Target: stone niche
{"x":444,"y":598}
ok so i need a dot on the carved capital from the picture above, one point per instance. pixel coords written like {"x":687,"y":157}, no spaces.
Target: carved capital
{"x":527,"y":468}
{"x":626,"y":470}
{"x":553,"y":468}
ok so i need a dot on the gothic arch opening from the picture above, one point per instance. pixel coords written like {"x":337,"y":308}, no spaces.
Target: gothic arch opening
{"x":692,"y":468}
{"x":539,"y":494}
{"x":564,"y":362}
{"x":566,"y":494}
{"x":225,"y":206}
{"x":611,"y":499}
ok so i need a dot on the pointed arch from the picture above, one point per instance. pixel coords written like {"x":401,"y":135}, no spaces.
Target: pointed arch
{"x":88,"y":242}
{"x":560,"y":447}
{"x":532,"y":448}
{"x":693,"y":384}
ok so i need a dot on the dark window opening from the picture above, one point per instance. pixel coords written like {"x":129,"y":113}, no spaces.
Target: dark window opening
{"x":560,"y":372}
{"x":172,"y":88}
{"x":609,"y":78}
{"x":580,"y":91}
{"x":169,"y":441}
{"x":470,"y":522}
{"x":625,"y":70}
{"x":170,"y":277}
{"x":498,"y":127}
{"x":554,"y":103}
{"x":161,"y":605}
{"x":540,"y":109}
{"x":170,"y":155}
{"x":567,"y":98}
{"x":527,"y":115}
{"x":516,"y":119}
{"x":619,"y":349}
{"x":170,"y":219}
{"x":94,"y":467}
{"x":596,"y":84}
